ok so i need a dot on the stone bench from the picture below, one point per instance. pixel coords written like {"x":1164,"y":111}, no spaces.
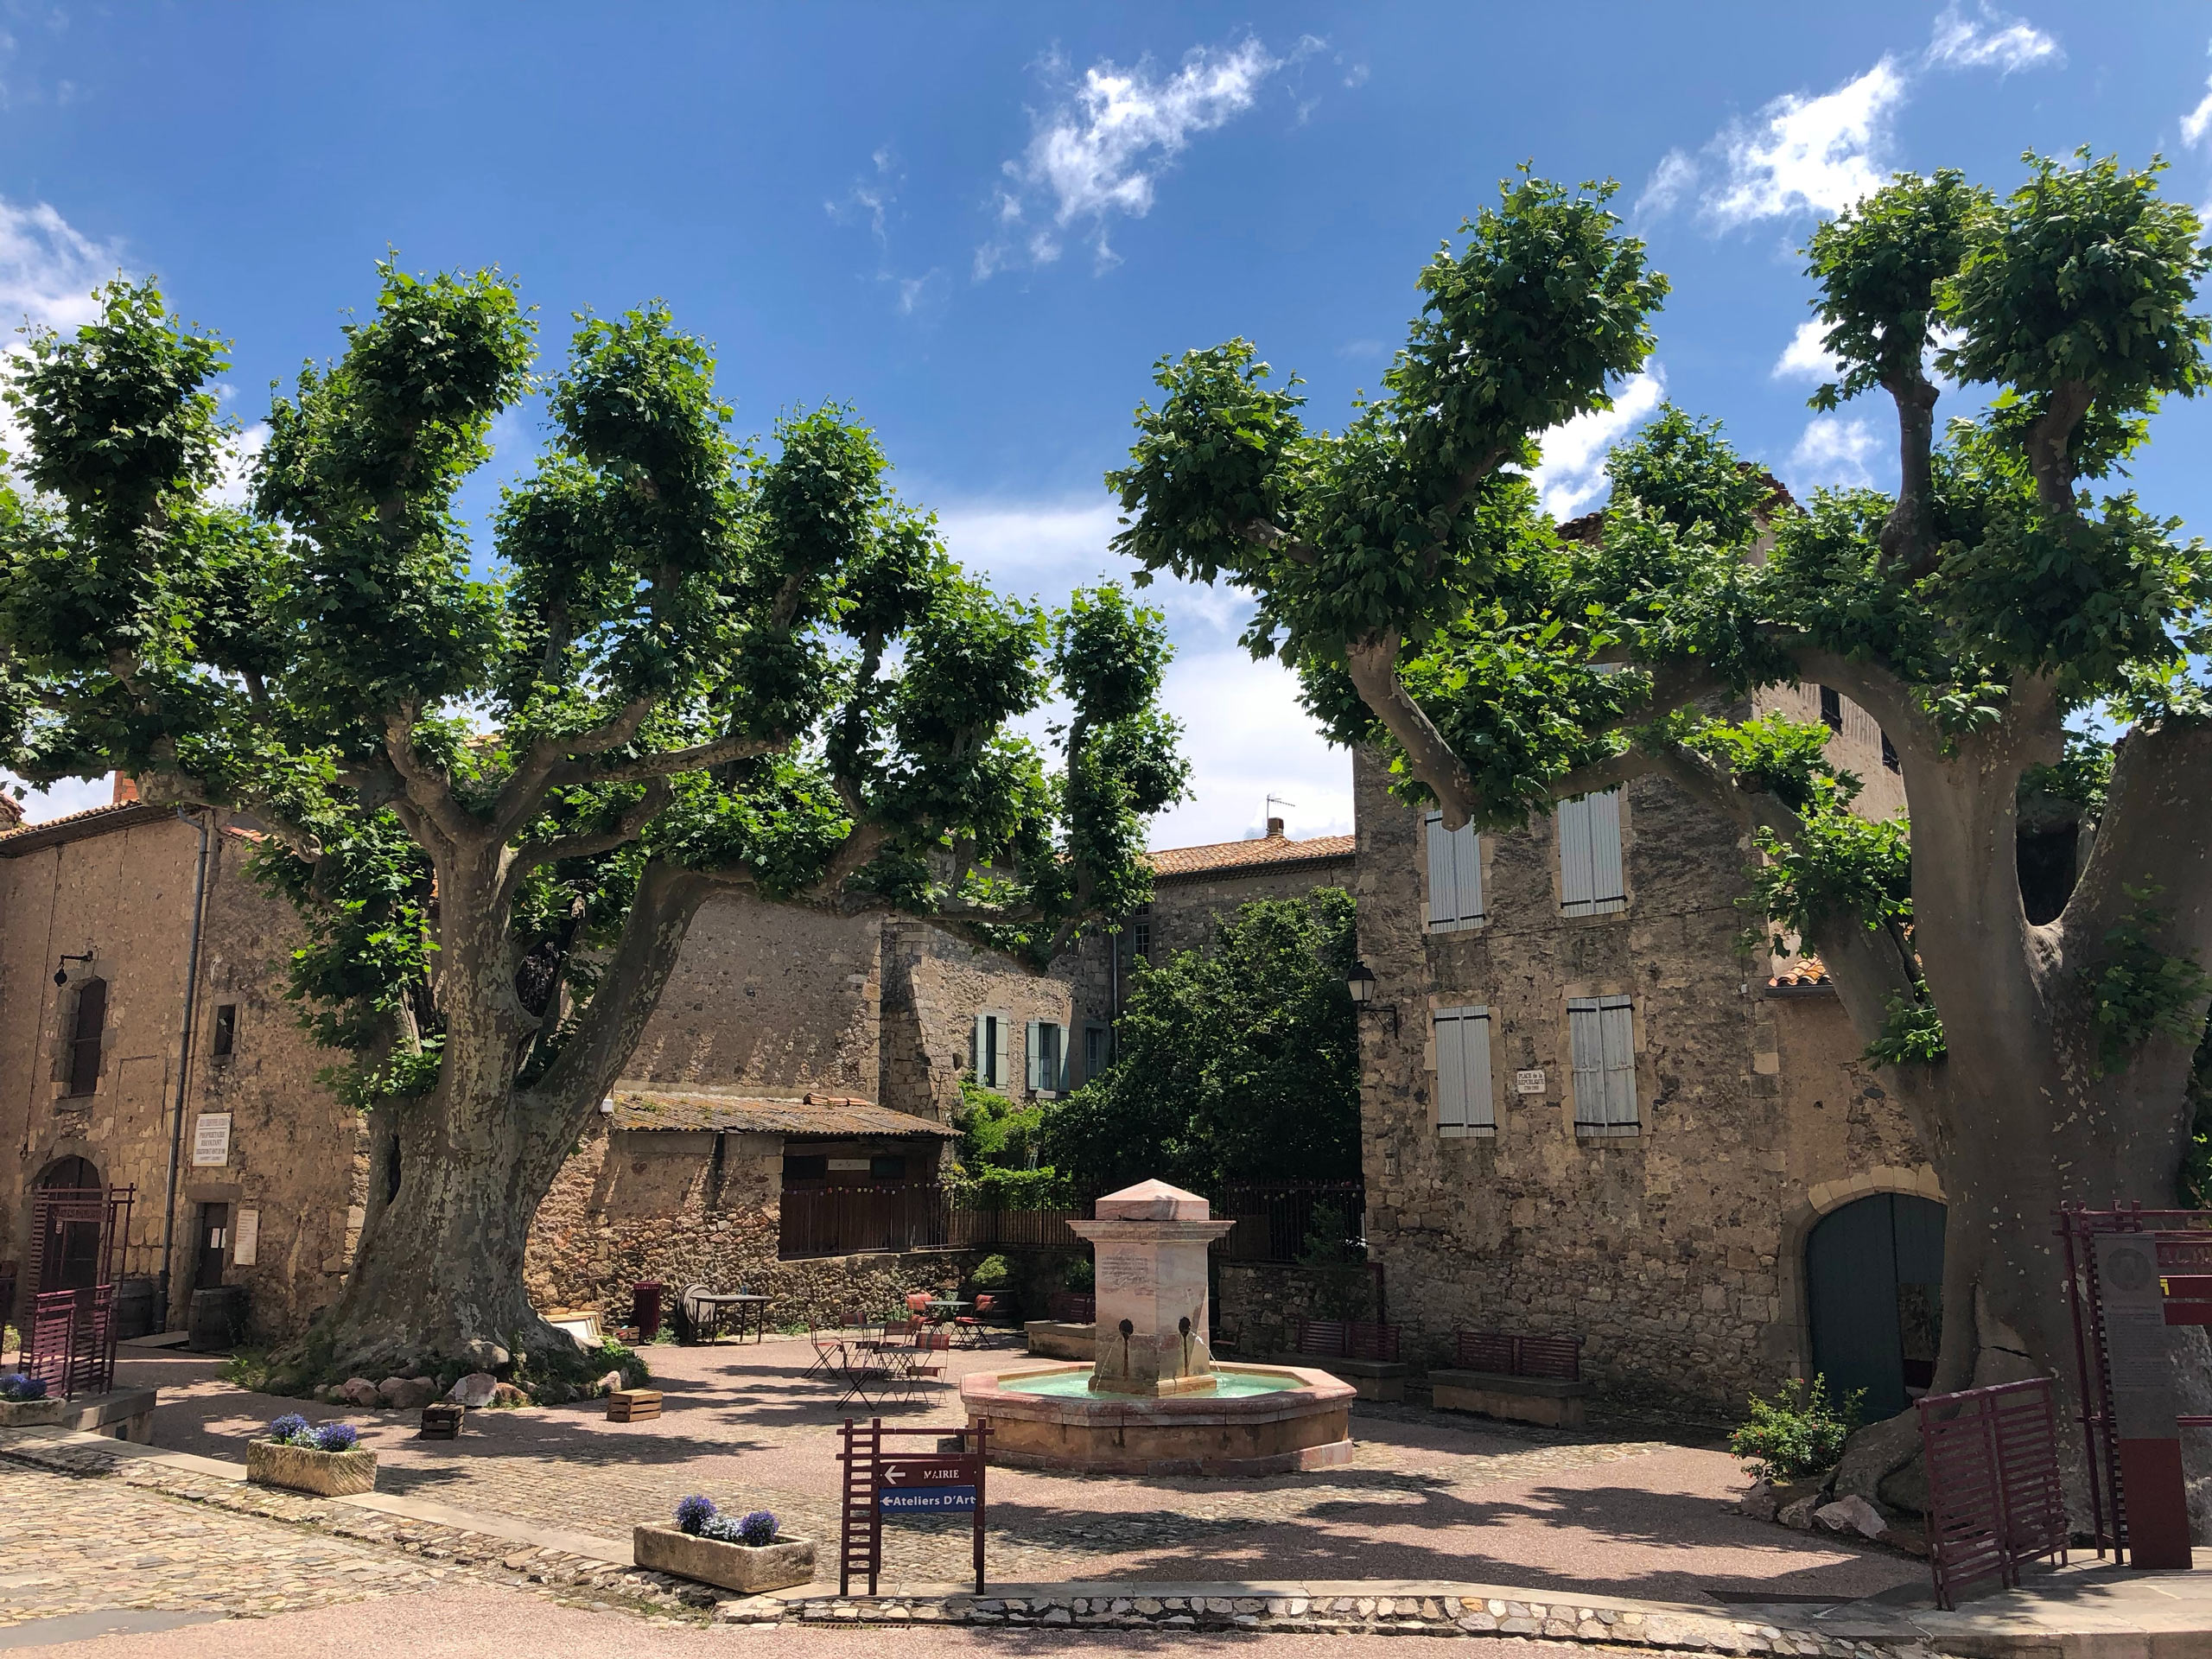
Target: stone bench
{"x":1060,"y":1339}
{"x":1371,"y":1379}
{"x":120,"y":1414}
{"x":1553,"y":1402}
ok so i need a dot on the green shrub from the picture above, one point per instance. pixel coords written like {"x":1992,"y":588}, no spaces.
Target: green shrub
{"x":991,"y":1273}
{"x":1798,"y":1432}
{"x":1080,"y":1274}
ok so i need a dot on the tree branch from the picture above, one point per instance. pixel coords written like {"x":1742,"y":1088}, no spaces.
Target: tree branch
{"x":2161,"y":779}
{"x":523,"y":793}
{"x":697,"y":758}
{"x":2049,"y":438}
{"x":1373,"y":663}
{"x":431,"y":792}
{"x":527,"y":857}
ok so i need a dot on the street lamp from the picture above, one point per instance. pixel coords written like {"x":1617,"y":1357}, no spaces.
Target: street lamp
{"x":1360,"y":982}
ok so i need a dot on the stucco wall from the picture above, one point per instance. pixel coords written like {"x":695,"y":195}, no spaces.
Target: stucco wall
{"x":1663,"y":1249}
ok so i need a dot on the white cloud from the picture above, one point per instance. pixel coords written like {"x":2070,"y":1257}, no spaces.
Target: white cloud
{"x":1805,"y":358}
{"x":1674,"y":178}
{"x":2198,"y":121}
{"x":1989,"y":41}
{"x":871,"y":197}
{"x":70,"y":795}
{"x":240,"y":451}
{"x":1832,"y":452}
{"x":1799,"y":153}
{"x":48,"y":270}
{"x":1243,"y":730}
{"x":1573,"y":469}
{"x":1098,"y":153}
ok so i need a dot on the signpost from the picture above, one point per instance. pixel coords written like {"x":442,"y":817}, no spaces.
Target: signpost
{"x":875,"y":1484}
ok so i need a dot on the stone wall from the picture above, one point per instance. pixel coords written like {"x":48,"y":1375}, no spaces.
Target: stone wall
{"x":1257,"y":1304}
{"x":934,"y":986}
{"x":1668,"y":1250}
{"x":632,"y":1205}
{"x":1188,"y":910}
{"x":122,"y":885}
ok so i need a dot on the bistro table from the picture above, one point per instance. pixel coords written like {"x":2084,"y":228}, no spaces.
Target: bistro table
{"x":713,"y":1313}
{"x":946,"y":1308}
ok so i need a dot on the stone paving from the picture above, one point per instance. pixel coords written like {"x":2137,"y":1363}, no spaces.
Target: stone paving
{"x":1428,"y":1497}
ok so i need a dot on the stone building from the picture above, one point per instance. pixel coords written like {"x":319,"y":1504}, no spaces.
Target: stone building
{"x":166,"y":1059}
{"x":1592,"y":1106}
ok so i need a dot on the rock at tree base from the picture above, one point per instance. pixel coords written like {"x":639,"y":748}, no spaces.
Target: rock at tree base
{"x":610,"y":1383}
{"x":1876,"y":1453}
{"x":1760,"y":1501}
{"x":508,"y":1395}
{"x":474,"y":1390}
{"x":358,"y":1391}
{"x":408,"y":1393}
{"x":484,"y":1356}
{"x":1853,"y":1514}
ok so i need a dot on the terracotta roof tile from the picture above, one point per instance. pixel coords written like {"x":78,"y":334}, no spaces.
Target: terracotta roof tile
{"x":73,"y":826}
{"x":823,"y":1115}
{"x":1255,"y":852}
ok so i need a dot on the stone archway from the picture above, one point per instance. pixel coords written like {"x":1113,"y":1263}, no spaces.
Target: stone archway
{"x":1873,"y":1293}
{"x":69,"y":1252}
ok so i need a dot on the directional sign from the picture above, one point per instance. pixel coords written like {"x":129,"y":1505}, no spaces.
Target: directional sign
{"x":927,"y":1500}
{"x":925,"y":1471}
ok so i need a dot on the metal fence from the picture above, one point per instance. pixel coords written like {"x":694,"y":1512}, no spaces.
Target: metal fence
{"x":1994,"y":1497}
{"x":1320,"y":1224}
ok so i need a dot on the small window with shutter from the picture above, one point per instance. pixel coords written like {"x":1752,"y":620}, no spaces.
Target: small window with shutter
{"x":988,"y":1053}
{"x":1601,"y":1034}
{"x":1047,"y":1057}
{"x":1455,"y":876}
{"x":88,"y":1023}
{"x":1464,"y":1105}
{"x":1591,"y":881}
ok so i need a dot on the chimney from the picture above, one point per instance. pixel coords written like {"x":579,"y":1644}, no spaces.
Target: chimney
{"x":126,"y":788}
{"x":1274,"y":829}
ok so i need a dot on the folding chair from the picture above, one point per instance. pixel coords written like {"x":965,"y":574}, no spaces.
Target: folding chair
{"x":970,"y":1325}
{"x":825,"y":1346}
{"x":867,"y":1380}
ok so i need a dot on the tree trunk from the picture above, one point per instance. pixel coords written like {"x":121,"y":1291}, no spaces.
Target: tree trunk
{"x":436,"y":1285}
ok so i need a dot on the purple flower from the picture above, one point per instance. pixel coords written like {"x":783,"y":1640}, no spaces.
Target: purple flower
{"x":336,"y":1437}
{"x":290,"y":1429}
{"x":19,"y":1386}
{"x":694,"y":1513}
{"x":759,"y":1529}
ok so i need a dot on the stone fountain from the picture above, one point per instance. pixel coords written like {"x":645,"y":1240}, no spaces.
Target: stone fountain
{"x":1152,"y":1401}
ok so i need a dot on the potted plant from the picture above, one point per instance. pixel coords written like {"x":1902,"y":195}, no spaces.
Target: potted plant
{"x":747,"y":1554}
{"x":23,"y":1403}
{"x":322,"y":1459}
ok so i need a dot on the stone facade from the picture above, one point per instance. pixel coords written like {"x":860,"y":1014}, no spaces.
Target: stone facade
{"x":123,"y":884}
{"x":1671,"y":1245}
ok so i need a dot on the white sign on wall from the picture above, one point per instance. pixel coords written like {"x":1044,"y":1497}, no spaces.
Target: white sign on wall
{"x":246,"y":1242}
{"x":211,"y":1139}
{"x":1528,"y":1082}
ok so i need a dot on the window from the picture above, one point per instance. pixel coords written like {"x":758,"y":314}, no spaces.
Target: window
{"x":1831,"y":709}
{"x":886,"y":1168}
{"x":1590,"y":855}
{"x":1140,"y":932}
{"x":1097,"y":1049}
{"x":91,"y":1019}
{"x":226,"y":1031}
{"x":804,"y":1168}
{"x":1463,"y":1082}
{"x":1048,"y":1048}
{"x":1890,"y":753}
{"x":1455,"y":876}
{"x":989,"y":1056}
{"x":1601,"y":1033}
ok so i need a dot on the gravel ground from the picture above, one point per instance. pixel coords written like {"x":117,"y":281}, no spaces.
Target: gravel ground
{"x":1428,"y":1495}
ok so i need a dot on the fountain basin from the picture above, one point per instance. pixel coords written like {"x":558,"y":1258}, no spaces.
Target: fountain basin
{"x":1266,"y":1420}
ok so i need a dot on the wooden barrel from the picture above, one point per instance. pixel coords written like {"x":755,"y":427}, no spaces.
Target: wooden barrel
{"x":134,"y":1302}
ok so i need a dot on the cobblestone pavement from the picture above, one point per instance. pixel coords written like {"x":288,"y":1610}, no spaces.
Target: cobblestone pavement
{"x":1428,"y":1497}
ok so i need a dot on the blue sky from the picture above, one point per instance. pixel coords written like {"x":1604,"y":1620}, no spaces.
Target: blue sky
{"x":981,"y":225}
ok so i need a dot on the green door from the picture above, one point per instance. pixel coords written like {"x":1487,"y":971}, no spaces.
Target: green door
{"x":1874,"y":1285}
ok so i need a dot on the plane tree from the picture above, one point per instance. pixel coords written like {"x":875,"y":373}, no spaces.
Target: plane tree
{"x":698,"y":668}
{"x":2009,"y":593}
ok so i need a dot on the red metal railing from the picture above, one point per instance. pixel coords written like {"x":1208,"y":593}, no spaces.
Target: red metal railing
{"x":1995,"y":1499}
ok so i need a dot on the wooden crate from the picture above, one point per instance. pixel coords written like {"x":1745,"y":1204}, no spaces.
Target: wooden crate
{"x":632,"y":1405}
{"x":441,"y":1420}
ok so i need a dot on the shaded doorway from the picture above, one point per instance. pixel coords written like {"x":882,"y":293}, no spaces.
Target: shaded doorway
{"x":69,"y":1248}
{"x":1874,"y":1292}
{"x":215,"y":1246}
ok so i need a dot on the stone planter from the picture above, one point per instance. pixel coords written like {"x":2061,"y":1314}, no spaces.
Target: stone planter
{"x":742,"y":1567}
{"x":28,"y":1413}
{"x":303,"y":1469}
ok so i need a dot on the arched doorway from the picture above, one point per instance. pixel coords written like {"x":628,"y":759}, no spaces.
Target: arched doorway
{"x":69,"y":1251}
{"x":1874,"y":1294}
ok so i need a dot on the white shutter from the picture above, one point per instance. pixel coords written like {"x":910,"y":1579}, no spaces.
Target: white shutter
{"x":1617,"y":1025}
{"x":1575,"y":890}
{"x":979,"y":1050}
{"x":1463,"y":1080}
{"x":1002,"y":1051}
{"x":1443,"y":906}
{"x":1607,"y":891}
{"x":1033,"y":1072}
{"x":1587,"y":1049}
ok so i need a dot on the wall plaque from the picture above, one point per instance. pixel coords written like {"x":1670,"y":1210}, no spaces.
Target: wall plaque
{"x":245,"y":1241}
{"x":211,"y":1139}
{"x":1528,"y":1082}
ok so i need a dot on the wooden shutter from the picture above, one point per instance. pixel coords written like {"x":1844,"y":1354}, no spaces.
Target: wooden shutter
{"x":1443,"y":905}
{"x":85,"y":1036}
{"x":1607,"y":890}
{"x":1455,"y":874}
{"x":1002,"y":1076}
{"x":1034,"y":1048}
{"x":1616,"y":1030}
{"x":1587,"y":1049}
{"x":1463,"y":1079}
{"x":1575,"y":890}
{"x":979,"y":1050}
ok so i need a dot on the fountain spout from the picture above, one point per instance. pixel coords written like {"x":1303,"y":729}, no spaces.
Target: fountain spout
{"x":1149,"y":1242}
